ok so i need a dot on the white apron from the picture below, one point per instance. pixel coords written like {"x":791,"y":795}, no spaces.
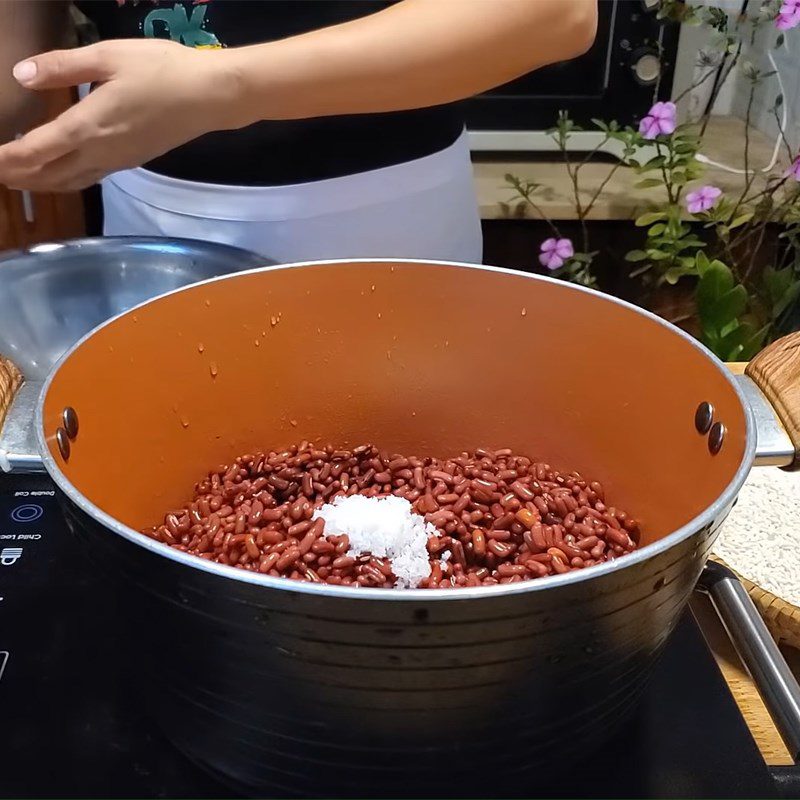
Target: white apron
{"x":424,"y":208}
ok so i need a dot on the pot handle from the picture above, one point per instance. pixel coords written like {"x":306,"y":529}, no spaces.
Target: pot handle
{"x":10,"y":381}
{"x":764,"y":661}
{"x":776,"y":372}
{"x":18,"y":451}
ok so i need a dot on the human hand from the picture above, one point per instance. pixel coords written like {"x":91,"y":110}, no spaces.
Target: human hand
{"x":150,"y":97}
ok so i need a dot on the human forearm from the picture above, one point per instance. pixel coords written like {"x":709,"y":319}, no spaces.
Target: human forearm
{"x":416,"y":53}
{"x":154,"y":95}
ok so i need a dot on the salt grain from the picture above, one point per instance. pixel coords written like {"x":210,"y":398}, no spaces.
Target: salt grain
{"x":761,"y":538}
{"x":385,"y":527}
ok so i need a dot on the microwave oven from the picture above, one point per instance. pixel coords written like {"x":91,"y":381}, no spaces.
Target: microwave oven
{"x":630,"y":65}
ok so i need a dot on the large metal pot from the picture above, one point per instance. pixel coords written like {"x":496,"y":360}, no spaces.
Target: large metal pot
{"x":295,"y":688}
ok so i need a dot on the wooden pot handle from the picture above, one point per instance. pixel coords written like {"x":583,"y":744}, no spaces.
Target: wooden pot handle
{"x":776,"y":371}
{"x":10,"y":381}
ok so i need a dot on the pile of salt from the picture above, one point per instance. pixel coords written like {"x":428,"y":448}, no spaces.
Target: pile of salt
{"x":386,"y":527}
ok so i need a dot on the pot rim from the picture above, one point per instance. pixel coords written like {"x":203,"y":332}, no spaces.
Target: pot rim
{"x":256,"y":579}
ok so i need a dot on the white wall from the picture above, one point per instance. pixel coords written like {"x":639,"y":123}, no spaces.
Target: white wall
{"x":787,"y":61}
{"x":734,"y":95}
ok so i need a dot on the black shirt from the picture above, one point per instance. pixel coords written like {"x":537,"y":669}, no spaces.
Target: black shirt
{"x":275,"y":152}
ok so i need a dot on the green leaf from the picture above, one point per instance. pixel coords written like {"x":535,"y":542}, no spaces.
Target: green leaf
{"x":719,"y":299}
{"x":788,"y":299}
{"x":649,"y":183}
{"x":729,"y":345}
{"x":740,"y":341}
{"x":600,"y":124}
{"x":657,"y":229}
{"x":679,"y":178}
{"x":674,"y":274}
{"x":783,"y":289}
{"x":740,"y":220}
{"x":702,"y":262}
{"x":657,"y":255}
{"x":636,"y":255}
{"x":649,"y":218}
{"x":753,"y":343}
{"x":728,"y":329}
{"x":690,"y":241}
{"x":684,"y":244}
{"x":716,"y":281}
{"x":655,"y":162}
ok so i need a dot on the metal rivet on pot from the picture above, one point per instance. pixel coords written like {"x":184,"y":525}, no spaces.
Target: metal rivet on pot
{"x":70,"y":419}
{"x":715,"y":438}
{"x":63,"y":443}
{"x":703,"y":417}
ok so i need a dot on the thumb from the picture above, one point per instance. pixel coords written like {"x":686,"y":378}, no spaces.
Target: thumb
{"x":59,"y":69}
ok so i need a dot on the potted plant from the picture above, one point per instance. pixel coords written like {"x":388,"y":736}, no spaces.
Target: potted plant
{"x":703,"y":260}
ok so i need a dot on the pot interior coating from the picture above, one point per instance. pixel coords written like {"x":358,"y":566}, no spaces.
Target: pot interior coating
{"x":418,"y":358}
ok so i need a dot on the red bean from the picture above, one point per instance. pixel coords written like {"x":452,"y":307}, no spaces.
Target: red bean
{"x":252,"y":547}
{"x":483,"y":491}
{"x":268,"y":562}
{"x":521,"y":491}
{"x":502,"y":517}
{"x":299,"y":528}
{"x":617,"y":537}
{"x":504,"y":522}
{"x":287,"y":558}
{"x":538,"y":569}
{"x":559,"y":566}
{"x":306,"y":542}
{"x":500,"y":549}
{"x":511,"y":569}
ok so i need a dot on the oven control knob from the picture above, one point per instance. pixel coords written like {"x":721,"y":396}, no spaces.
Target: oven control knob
{"x":646,"y":67}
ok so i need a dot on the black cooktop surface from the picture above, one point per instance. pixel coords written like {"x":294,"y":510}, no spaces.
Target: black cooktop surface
{"x":73,"y":722}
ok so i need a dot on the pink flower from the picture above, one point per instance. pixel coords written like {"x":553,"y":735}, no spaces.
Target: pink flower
{"x":555,"y":252}
{"x":789,"y":15}
{"x":660,"y":119}
{"x":794,"y":170}
{"x":702,"y":199}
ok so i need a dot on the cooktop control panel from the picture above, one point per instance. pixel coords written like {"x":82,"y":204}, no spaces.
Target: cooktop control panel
{"x":30,"y":527}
